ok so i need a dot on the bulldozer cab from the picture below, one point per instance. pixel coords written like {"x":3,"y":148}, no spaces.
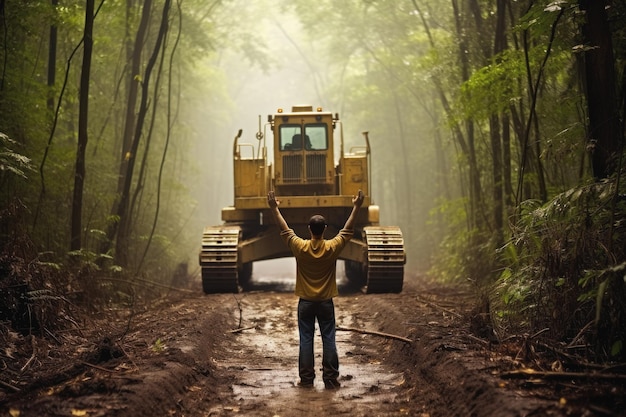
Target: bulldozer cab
{"x":303,"y":152}
{"x":302,"y":164}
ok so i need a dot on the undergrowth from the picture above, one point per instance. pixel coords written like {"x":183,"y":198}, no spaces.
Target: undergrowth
{"x":565,"y":270}
{"x":44,"y":293}
{"x":561,"y":274}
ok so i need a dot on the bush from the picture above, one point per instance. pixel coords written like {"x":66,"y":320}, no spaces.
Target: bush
{"x":565,"y":271}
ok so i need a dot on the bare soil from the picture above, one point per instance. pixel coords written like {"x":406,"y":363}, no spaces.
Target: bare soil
{"x":192,"y":354}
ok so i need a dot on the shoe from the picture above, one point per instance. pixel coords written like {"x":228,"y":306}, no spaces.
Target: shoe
{"x":331,"y":384}
{"x":305,"y":384}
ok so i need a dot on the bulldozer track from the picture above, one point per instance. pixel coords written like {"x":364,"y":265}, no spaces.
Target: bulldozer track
{"x":219,"y":259}
{"x":385,"y":259}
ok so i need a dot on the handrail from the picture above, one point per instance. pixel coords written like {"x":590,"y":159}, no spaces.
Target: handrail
{"x":235,"y":147}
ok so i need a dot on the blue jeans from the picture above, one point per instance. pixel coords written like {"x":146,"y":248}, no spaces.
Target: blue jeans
{"x":324,"y":312}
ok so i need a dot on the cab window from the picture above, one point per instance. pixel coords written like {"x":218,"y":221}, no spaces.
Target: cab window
{"x":314,"y":137}
{"x":317,"y":135}
{"x":291,"y":138}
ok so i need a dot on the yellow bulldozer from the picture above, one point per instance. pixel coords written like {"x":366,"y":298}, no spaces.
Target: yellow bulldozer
{"x":307,"y":181}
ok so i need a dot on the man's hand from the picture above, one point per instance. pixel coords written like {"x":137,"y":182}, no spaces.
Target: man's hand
{"x":357,"y":200}
{"x":271,"y":200}
{"x":273,"y":203}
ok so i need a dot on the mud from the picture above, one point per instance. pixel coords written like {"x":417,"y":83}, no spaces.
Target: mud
{"x":236,"y":355}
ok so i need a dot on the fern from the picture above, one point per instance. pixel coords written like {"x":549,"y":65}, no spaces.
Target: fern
{"x":11,"y":161}
{"x":561,"y":266}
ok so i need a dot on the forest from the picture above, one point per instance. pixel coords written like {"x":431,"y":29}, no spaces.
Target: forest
{"x":496,"y":128}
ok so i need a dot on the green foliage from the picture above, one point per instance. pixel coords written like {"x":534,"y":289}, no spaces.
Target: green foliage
{"x":41,"y":295}
{"x":561,"y":271}
{"x":493,"y":88}
{"x":158,"y":346}
{"x":28,"y":121}
{"x":90,"y":262}
{"x":10,"y":161}
{"x":463,"y":254}
{"x":447,"y":262}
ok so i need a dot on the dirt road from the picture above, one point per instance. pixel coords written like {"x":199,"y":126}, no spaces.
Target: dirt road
{"x":236,"y":355}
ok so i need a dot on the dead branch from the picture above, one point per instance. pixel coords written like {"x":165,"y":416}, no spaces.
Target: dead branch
{"x":136,"y":281}
{"x":32,"y":357}
{"x":575,"y":360}
{"x":240,"y":310}
{"x":9,"y":386}
{"x":387,"y":335}
{"x":580,"y":333}
{"x":438,"y":307}
{"x":478,"y":339}
{"x":100,"y":368}
{"x":240,"y":329}
{"x":531,"y":373}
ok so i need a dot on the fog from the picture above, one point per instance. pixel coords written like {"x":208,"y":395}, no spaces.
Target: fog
{"x":298,"y":72}
{"x":251,"y":92}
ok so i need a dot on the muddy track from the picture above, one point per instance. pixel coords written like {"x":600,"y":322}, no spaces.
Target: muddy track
{"x":185,"y":359}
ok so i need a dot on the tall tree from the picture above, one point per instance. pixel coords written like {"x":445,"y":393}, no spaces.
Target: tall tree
{"x":605,"y":136}
{"x":500,"y":44}
{"x":83,"y":117}
{"x":129,"y":121}
{"x":475,"y":188}
{"x":52,"y":59}
{"x":121,"y":253}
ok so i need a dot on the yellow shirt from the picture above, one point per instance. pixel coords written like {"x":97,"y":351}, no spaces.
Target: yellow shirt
{"x":316,"y":261}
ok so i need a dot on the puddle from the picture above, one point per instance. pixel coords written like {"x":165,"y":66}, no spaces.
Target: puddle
{"x":266,"y":374}
{"x":262,"y":363}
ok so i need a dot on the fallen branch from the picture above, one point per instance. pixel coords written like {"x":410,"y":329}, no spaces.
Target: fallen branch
{"x":32,"y":357}
{"x":531,"y":373}
{"x":100,"y":368}
{"x":240,"y":329}
{"x":136,"y":281}
{"x":478,"y":339}
{"x":437,"y":306}
{"x":390,"y":336}
{"x":7,"y":385}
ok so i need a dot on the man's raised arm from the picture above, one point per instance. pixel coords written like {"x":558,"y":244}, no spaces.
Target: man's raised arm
{"x":278,"y":217}
{"x":357,"y":201}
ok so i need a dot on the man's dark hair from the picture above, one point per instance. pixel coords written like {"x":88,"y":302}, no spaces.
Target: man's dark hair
{"x":317,"y":224}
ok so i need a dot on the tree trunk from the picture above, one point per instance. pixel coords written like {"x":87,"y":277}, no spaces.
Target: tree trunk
{"x":499,"y":45}
{"x":168,"y":137}
{"x":496,"y":151}
{"x":506,"y":162}
{"x":79,"y":175}
{"x":52,"y":59}
{"x":604,"y":132}
{"x":133,"y":91}
{"x":121,"y":251}
{"x":475,"y":193}
{"x":525,"y":146}
{"x":129,"y":121}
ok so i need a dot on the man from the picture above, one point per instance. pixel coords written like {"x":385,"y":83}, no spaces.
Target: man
{"x":316,"y":285}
